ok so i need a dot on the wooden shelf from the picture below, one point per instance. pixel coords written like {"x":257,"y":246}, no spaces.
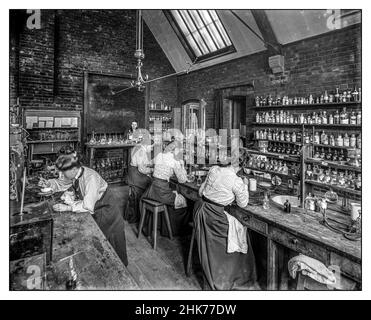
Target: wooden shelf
{"x":278,"y":141}
{"x":330,"y":164}
{"x":332,"y":105}
{"x":328,"y":146}
{"x":51,"y":141}
{"x":334,"y":188}
{"x":285,"y":157}
{"x":274,"y":173}
{"x":55,"y":128}
{"x":298,"y":125}
{"x":107,"y":146}
{"x":160,"y":111}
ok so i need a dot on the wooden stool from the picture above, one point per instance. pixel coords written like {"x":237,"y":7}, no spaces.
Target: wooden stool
{"x":190,"y":252}
{"x":156,"y":208}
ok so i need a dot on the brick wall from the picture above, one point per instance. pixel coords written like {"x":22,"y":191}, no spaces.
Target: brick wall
{"x":51,"y":72}
{"x":311,"y":66}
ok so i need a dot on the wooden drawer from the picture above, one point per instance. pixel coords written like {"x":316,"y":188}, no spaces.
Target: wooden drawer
{"x":299,"y":245}
{"x":250,"y":221}
{"x":347,"y":267}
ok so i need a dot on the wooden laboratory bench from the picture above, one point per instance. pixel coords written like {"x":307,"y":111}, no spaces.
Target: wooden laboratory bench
{"x":300,"y":232}
{"x":97,"y":265}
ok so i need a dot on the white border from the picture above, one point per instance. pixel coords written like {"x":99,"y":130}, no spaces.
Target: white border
{"x":182,"y":295}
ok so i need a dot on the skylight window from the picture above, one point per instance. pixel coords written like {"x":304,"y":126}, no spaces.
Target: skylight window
{"x":201,"y":33}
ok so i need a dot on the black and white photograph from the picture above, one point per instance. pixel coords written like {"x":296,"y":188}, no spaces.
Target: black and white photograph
{"x":185,"y":149}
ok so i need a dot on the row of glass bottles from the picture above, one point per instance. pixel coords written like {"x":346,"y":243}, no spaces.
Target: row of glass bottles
{"x":274,"y":165}
{"x":278,"y":135}
{"x":330,"y":139}
{"x":322,"y":117}
{"x":335,"y":140}
{"x":345,"y":179}
{"x":346,"y":96}
{"x":162,"y":105}
{"x":108,"y":138}
{"x":160,"y":118}
{"x":282,"y":148}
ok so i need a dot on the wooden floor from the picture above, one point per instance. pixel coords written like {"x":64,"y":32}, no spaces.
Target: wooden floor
{"x":163,"y":269}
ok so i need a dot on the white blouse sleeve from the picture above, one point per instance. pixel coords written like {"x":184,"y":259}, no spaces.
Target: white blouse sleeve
{"x":241,"y":193}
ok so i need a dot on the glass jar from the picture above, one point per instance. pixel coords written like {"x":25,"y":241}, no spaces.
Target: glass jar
{"x":353,"y":118}
{"x":341,"y":180}
{"x":352,"y":141}
{"x":344,"y":119}
{"x":346,"y":140}
{"x":339,"y":141}
{"x":334,"y":178}
{"x":321,"y":176}
{"x":316,"y":138}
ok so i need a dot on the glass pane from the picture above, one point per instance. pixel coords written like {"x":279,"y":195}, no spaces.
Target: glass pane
{"x":224,"y":34}
{"x":200,"y":42}
{"x":208,"y":39}
{"x":180,"y":22}
{"x":196,"y":18}
{"x":213,"y":15}
{"x":216,"y":35}
{"x":188,"y":20}
{"x":194,"y":46}
{"x":205,"y":16}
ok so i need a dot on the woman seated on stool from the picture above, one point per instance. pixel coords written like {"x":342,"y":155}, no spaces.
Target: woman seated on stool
{"x":92,"y":194}
{"x":139,"y":178}
{"x":165,"y":165}
{"x":224,"y":246}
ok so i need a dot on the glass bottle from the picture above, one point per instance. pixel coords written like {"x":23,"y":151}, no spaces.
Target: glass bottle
{"x":322,"y":154}
{"x":344,"y":117}
{"x":257,"y":117}
{"x":341,"y":180}
{"x":293,"y":137}
{"x":335,"y":156}
{"x":346,"y":141}
{"x":332,"y":140}
{"x":353,"y":118}
{"x":359,"y":141}
{"x":321,"y":176}
{"x":352,"y":141}
{"x":325,"y":97}
{"x":359,"y":94}
{"x":327,"y":178}
{"x":324,"y":117}
{"x":269,"y":137}
{"x":316,"y":153}
{"x":301,"y":119}
{"x":316,"y":138}
{"x":337,"y":95}
{"x":328,"y":155}
{"x":323,"y":138}
{"x":341,"y":156}
{"x":355,"y":94}
{"x":337,"y":117}
{"x":349,"y":96}
{"x":331,"y":119}
{"x":282,"y":136}
{"x":266,"y":204}
{"x":334,"y":178}
{"x":287,"y":136}
{"x":339,"y":141}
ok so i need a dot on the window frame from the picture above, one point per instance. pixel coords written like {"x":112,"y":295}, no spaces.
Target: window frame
{"x":208,"y":56}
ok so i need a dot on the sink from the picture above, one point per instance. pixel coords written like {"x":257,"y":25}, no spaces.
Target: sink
{"x":281,"y":199}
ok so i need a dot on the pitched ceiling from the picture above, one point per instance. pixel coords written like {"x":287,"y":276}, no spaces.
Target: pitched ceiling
{"x":288,"y":26}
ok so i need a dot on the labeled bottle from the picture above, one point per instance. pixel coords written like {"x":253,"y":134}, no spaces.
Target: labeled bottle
{"x":324,"y":117}
{"x":282,"y":136}
{"x":355,"y":95}
{"x":353,"y":118}
{"x":332,"y":140}
{"x":344,"y":117}
{"x":316,"y":138}
{"x":324,"y":138}
{"x":346,"y":140}
{"x":339,"y":141}
{"x":293,"y":137}
{"x":331,"y":119}
{"x":337,"y":117}
{"x":287,"y":137}
{"x":285,"y":169}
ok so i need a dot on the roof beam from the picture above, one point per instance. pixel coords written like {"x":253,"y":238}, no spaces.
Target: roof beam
{"x":265,"y":27}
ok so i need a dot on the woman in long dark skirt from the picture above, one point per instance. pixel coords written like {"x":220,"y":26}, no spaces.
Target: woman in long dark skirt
{"x":222,"y":270}
{"x":93,"y":195}
{"x":138,"y":180}
{"x":165,"y":165}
